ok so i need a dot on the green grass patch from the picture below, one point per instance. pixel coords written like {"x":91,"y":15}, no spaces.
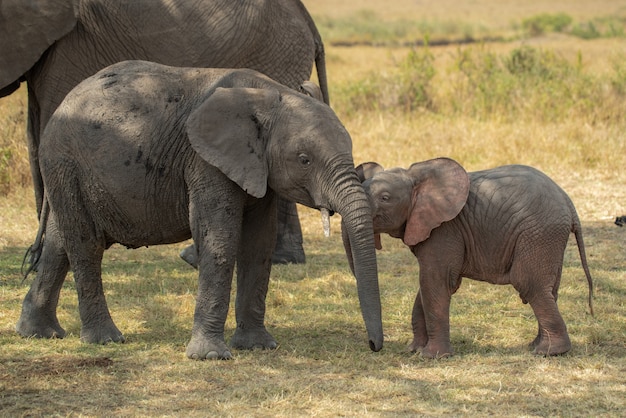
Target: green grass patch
{"x":366,"y":27}
{"x":528,"y":83}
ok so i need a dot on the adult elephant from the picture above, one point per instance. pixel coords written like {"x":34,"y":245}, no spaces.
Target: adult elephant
{"x":143,"y":154}
{"x":52,"y":45}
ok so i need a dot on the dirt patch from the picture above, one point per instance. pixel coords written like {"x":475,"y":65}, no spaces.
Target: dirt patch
{"x":27,"y":368}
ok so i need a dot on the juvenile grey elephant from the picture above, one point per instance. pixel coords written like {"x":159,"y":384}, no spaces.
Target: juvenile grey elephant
{"x":507,"y":225}
{"x":143,"y":154}
{"x":52,"y":45}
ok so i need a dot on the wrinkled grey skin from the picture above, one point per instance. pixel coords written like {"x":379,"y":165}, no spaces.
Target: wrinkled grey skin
{"x":55,"y":44}
{"x":507,"y":225}
{"x":143,"y":154}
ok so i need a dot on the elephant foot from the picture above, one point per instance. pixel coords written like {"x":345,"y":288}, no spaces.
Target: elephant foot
{"x":288,"y":252}
{"x":250,"y":339}
{"x":547,"y":345}
{"x":433,"y":351}
{"x":417,"y":344}
{"x":38,"y":325}
{"x":102,"y":334}
{"x":203,"y":348}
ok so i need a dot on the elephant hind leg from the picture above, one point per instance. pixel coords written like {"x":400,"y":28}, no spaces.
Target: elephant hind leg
{"x":536,"y":275}
{"x":85,"y":246}
{"x":39,"y":317}
{"x":552,"y":337}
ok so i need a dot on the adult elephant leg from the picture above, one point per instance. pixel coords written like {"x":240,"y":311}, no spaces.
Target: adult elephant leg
{"x":39,"y":317}
{"x":288,"y":247}
{"x":253,"y":273}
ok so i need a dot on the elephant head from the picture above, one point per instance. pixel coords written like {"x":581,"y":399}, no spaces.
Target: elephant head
{"x":409,"y":203}
{"x":296,"y":146}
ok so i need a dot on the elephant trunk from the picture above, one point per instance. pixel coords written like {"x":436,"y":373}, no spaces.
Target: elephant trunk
{"x":358,"y":229}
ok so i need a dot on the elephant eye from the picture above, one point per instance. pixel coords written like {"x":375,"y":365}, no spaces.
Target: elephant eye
{"x":304,"y":159}
{"x":385,"y":197}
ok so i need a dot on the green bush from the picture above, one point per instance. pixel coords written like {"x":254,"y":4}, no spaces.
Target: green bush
{"x":586,"y":30}
{"x":546,"y":23}
{"x":408,"y":88}
{"x":606,"y":27}
{"x":414,"y":79}
{"x":618,"y":79}
{"x":527,"y":83}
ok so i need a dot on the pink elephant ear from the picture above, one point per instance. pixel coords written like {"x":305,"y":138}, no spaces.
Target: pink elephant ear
{"x":367,"y":170}
{"x":440,"y":190}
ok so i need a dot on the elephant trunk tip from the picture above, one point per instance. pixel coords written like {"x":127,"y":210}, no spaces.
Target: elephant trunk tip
{"x":376,"y":346}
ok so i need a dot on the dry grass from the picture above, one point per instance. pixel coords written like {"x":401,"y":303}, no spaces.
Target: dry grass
{"x":323,"y":366}
{"x":491,"y":13}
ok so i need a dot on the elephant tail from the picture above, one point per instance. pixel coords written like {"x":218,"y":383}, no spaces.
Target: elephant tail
{"x":577,"y":230}
{"x":33,"y":253}
{"x":320,"y":66}
{"x":320,"y":55}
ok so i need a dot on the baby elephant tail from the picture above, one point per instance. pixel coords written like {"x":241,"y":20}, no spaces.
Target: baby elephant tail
{"x":576,"y":229}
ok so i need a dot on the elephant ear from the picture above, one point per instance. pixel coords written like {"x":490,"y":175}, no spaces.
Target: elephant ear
{"x":227,"y":131}
{"x":27,"y":29}
{"x":366,"y":171}
{"x":311,"y":89}
{"x":440,"y":190}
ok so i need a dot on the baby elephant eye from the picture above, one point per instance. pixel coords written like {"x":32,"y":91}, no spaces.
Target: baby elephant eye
{"x":385,"y":197}
{"x":304,"y":159}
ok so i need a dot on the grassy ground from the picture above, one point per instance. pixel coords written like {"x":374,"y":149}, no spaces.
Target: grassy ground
{"x":323,"y":366}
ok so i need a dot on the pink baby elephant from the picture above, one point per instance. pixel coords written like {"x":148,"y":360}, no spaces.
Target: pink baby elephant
{"x":507,"y":225}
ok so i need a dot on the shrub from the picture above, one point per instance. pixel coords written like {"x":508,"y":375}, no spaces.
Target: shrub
{"x":545,"y":23}
{"x":408,"y":88}
{"x":414,"y":79}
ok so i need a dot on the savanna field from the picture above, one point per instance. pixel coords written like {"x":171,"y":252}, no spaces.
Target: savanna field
{"x":484,"y":82}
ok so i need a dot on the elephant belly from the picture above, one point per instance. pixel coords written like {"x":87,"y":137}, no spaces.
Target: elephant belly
{"x":140,"y":222}
{"x":136,"y":211}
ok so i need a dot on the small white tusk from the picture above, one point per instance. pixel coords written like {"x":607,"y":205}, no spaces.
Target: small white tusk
{"x":325,"y":221}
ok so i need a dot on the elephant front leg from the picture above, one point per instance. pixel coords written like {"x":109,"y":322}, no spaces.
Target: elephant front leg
{"x":253,"y":273}
{"x":38,"y":317}
{"x":207,"y":335}
{"x":216,"y":230}
{"x":435,"y":299}
{"x":418,"y":322}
